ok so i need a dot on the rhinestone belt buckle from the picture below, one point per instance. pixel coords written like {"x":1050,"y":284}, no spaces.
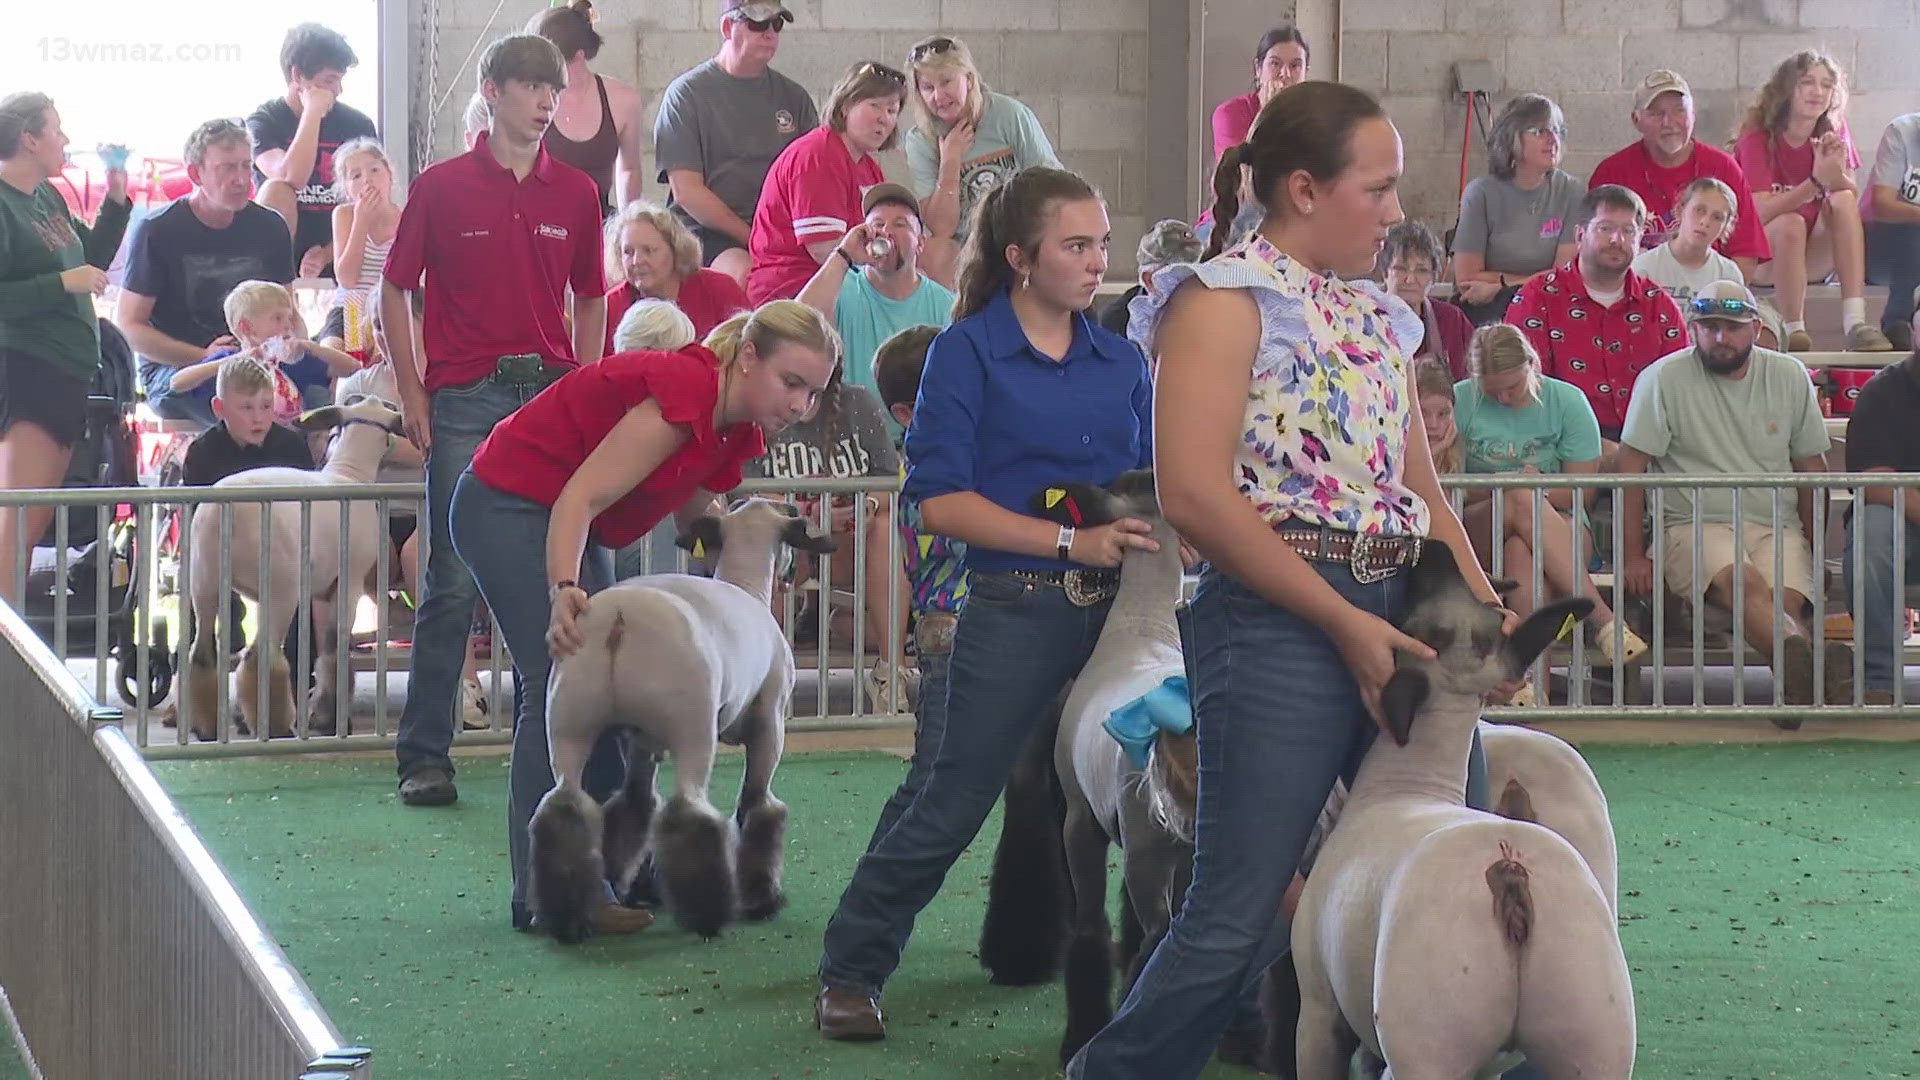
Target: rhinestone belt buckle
{"x":1365,"y":547}
{"x":1085,"y":589}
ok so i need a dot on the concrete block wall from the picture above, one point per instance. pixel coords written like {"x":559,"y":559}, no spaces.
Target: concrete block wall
{"x":1079,"y":64}
{"x":1587,"y":54}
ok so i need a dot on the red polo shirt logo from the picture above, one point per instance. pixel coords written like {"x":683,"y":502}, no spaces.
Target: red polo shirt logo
{"x":552,"y":232}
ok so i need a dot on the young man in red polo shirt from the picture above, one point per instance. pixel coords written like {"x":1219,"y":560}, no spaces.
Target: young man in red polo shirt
{"x":1594,"y":322}
{"x":498,"y":233}
{"x":1667,"y":158}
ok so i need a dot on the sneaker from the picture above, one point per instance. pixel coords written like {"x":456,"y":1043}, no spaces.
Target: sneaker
{"x":473,"y":706}
{"x":1524,"y":698}
{"x":1867,"y":338}
{"x":1900,"y":336}
{"x":1878,"y":697}
{"x":882,"y":675}
{"x":429,"y":786}
{"x":1632,"y":647}
{"x":1799,"y":341}
{"x":1839,"y":673}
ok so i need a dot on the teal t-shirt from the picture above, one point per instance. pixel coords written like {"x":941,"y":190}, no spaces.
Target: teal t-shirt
{"x":1008,"y":139}
{"x":1558,"y":428}
{"x":866,"y":319}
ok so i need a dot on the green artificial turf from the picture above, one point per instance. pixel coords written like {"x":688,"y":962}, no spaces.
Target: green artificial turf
{"x":1768,"y":910}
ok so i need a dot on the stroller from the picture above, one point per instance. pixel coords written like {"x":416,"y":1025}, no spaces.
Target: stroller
{"x":107,"y":456}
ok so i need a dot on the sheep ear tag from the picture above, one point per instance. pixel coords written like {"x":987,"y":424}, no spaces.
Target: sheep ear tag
{"x":1054,"y":495}
{"x":699,"y":549}
{"x":1566,"y":628}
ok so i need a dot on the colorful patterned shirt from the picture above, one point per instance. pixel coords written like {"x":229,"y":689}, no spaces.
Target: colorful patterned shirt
{"x":1328,"y":410}
{"x":935,"y":565}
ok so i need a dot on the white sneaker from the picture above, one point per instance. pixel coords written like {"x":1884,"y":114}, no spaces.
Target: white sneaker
{"x":473,"y":706}
{"x":883,"y":674}
{"x":1524,"y":698}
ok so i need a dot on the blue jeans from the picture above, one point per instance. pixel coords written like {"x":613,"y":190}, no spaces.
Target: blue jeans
{"x":1893,"y":260}
{"x":1016,"y":645}
{"x":503,"y":539}
{"x":462,"y":418}
{"x":929,"y":727}
{"x":1278,"y":718}
{"x":1881,"y":635}
{"x":157,"y":380}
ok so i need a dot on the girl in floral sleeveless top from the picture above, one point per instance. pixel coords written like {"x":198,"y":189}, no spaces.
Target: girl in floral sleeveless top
{"x":1291,"y":456}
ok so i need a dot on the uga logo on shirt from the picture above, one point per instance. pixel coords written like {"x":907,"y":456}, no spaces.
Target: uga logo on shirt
{"x":783,"y":122}
{"x":551,"y":232}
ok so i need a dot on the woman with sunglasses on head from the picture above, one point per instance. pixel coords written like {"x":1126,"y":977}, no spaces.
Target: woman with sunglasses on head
{"x":1290,"y":452}
{"x":1022,"y":393}
{"x":812,"y":195}
{"x":1519,"y":221}
{"x":966,"y":140}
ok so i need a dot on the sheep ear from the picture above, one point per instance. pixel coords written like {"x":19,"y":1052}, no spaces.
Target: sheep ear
{"x":324,"y":418}
{"x":1080,"y":506}
{"x":1543,"y":628}
{"x":1400,"y":699}
{"x":702,"y":538}
{"x":801,"y":537}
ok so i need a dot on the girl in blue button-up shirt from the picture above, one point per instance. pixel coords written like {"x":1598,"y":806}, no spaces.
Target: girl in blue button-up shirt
{"x":1023,"y":392}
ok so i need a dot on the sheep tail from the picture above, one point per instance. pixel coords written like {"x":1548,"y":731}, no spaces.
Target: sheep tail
{"x":1512,"y":898}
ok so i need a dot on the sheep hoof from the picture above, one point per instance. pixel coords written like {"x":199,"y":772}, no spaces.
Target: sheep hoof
{"x":693,"y":847}
{"x":320,"y":714}
{"x":564,"y":864}
{"x":763,"y":835}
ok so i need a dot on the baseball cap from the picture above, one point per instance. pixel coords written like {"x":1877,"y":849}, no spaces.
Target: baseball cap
{"x":888,"y":193}
{"x":757,"y":10}
{"x":1657,"y":83}
{"x":1726,"y":300}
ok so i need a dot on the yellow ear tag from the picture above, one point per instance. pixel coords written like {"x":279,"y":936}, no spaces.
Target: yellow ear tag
{"x":1566,"y":628}
{"x":700,"y":552}
{"x":1054,"y":495}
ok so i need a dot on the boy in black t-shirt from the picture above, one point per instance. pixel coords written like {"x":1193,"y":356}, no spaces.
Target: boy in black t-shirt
{"x":246,"y":436}
{"x":294,"y":138}
{"x":1882,"y":437}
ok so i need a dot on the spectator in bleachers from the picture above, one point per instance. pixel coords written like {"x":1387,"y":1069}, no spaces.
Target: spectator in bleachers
{"x":1519,"y":221}
{"x":1687,"y":262}
{"x":364,"y":224}
{"x":1890,"y":209}
{"x":651,"y":255}
{"x":607,"y":453}
{"x":1168,"y":242}
{"x":868,"y":297}
{"x":812,"y":196}
{"x":495,"y":332}
{"x":248,"y":433}
{"x":653,"y":324}
{"x":1668,"y":158}
{"x":965,"y":141}
{"x":266,"y":328}
{"x":1434,"y":384}
{"x":606,"y":109}
{"x":1513,"y":419}
{"x":720,"y":127}
{"x":52,"y":265}
{"x":1412,"y":258}
{"x":1281,"y":60}
{"x":184,"y":260}
{"x":1799,"y":161}
{"x":474,"y":121}
{"x":1725,"y":406}
{"x":1594,"y":322}
{"x":294,"y":138}
{"x":843,"y":437}
{"x":936,"y":578}
{"x":1883,"y":436}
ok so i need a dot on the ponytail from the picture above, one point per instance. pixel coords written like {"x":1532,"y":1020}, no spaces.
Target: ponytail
{"x":1226,"y":198}
{"x":773,"y":324}
{"x":1011,"y":215}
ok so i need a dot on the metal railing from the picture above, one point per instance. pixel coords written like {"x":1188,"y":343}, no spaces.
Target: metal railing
{"x":1699,"y":648}
{"x":124,"y":949}
{"x":124,"y":604}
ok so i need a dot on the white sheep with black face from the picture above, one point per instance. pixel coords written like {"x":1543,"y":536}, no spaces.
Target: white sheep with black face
{"x":1444,"y":939}
{"x":683,"y":663}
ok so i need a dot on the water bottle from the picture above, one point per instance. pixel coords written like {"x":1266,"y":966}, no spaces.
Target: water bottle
{"x":113,"y":156}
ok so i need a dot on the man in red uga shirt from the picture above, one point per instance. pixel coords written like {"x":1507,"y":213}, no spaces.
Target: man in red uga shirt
{"x":1667,"y":158}
{"x":1594,"y":322}
{"x":498,"y":233}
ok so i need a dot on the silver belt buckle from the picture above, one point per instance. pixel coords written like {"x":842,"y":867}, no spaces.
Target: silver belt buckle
{"x":1081,"y":594}
{"x":1364,"y":545}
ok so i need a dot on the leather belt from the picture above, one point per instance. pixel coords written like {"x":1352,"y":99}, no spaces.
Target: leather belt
{"x":1371,"y":558}
{"x":1084,"y":588}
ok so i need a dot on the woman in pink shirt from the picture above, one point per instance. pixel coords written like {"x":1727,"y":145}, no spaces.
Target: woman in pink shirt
{"x":1280,"y":62}
{"x":1794,"y":149}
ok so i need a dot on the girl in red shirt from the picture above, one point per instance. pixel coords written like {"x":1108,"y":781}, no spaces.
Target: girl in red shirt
{"x":611,"y":449}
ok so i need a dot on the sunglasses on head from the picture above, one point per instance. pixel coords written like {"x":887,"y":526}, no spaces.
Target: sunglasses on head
{"x":875,"y":67}
{"x":761,"y":26}
{"x":929,"y":48}
{"x":1709,"y":307}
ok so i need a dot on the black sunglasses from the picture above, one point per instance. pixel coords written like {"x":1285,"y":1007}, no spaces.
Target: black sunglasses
{"x":893,"y":75}
{"x":928,"y":48}
{"x":761,"y":26}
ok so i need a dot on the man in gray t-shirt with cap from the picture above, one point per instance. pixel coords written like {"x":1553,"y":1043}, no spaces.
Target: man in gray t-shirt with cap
{"x":721,"y":125}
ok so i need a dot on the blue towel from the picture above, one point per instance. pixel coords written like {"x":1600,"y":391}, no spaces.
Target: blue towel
{"x":1164,"y":708}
